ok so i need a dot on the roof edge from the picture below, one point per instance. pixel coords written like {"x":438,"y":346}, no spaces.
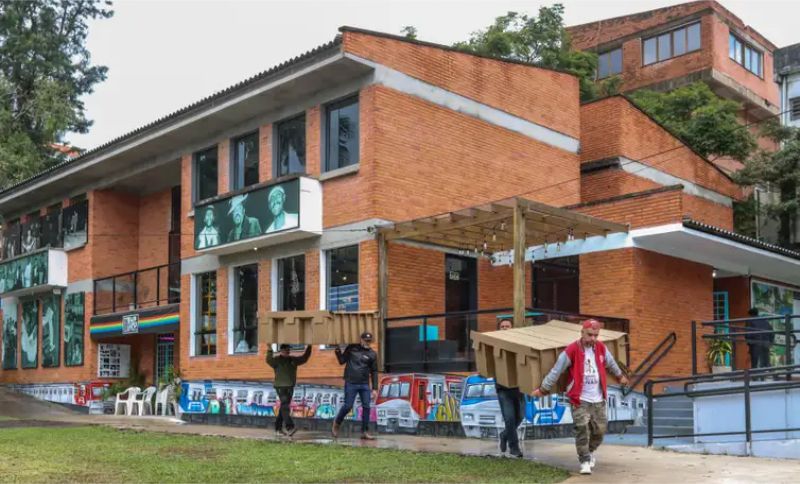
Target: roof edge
{"x":744,"y":239}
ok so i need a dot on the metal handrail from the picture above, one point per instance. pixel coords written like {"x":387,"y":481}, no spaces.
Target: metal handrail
{"x":170,"y":298}
{"x":670,"y":341}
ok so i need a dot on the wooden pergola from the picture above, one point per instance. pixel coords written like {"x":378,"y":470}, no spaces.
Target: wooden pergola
{"x":510,"y":224}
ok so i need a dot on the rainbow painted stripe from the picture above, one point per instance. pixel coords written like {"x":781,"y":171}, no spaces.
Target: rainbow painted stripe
{"x":144,"y":324}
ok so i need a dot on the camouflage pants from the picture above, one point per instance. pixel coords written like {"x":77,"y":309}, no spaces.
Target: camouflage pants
{"x":590,"y":425}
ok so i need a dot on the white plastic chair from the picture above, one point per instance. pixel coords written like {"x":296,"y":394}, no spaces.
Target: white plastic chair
{"x":166,"y":398}
{"x":125,"y":400}
{"x":143,"y":400}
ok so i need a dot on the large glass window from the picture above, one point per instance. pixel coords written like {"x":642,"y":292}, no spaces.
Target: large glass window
{"x":343,"y":279}
{"x":290,"y":138}
{"x":292,"y":283}
{"x":341,"y":134}
{"x":206,"y":317}
{"x":609,"y":63}
{"x":245,"y":161}
{"x":205,"y":174}
{"x":555,"y":284}
{"x":671,"y":44}
{"x":745,"y":54}
{"x":245,"y":317}
{"x":794,"y":108}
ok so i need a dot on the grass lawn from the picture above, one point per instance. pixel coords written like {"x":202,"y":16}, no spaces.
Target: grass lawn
{"x":101,"y":454}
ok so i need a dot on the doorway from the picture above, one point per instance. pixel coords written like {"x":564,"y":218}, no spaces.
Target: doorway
{"x":461,"y":294}
{"x":165,"y":357}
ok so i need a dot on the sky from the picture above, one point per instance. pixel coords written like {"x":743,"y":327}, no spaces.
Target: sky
{"x":164,"y":55}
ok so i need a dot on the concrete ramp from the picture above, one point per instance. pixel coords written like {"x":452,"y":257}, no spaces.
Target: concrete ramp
{"x":21,"y":406}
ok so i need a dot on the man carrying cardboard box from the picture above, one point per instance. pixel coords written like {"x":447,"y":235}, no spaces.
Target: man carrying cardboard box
{"x":361,"y":367}
{"x":285,"y":366}
{"x":586,"y":359}
{"x":512,"y":408}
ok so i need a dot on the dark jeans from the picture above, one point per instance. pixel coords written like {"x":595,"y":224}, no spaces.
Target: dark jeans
{"x":759,"y":356}
{"x":285,"y":413}
{"x":350,"y":392}
{"x":512,"y":406}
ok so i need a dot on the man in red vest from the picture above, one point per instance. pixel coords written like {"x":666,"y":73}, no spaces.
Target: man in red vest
{"x":586,"y":359}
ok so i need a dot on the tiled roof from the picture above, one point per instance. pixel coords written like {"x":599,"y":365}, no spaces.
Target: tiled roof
{"x":726,"y":234}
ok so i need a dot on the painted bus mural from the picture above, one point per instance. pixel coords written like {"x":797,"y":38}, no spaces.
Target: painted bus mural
{"x":405,"y":399}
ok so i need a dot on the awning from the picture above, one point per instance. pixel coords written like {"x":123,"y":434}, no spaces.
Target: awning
{"x":162,"y":319}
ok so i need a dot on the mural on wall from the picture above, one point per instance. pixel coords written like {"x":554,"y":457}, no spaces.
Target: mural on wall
{"x":51,"y":229}
{"x":771,"y":299}
{"x":405,"y":399}
{"x":24,"y":273}
{"x":29,"y":341}
{"x":73,"y":329}
{"x":74,"y":225}
{"x":10,"y":333}
{"x":31,"y":234}
{"x":51,"y":330}
{"x":12,"y":236}
{"x":262,"y":211}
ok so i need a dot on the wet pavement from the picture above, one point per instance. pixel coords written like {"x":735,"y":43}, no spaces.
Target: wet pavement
{"x":619,"y":460}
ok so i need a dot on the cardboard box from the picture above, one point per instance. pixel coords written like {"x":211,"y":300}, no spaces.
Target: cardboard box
{"x":316,"y":327}
{"x":522,"y":357}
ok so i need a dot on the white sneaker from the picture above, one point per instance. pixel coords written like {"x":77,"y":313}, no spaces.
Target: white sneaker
{"x":592,"y":462}
{"x":586,"y":468}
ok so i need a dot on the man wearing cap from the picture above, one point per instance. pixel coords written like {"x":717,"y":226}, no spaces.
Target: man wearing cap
{"x":285,"y":366}
{"x":361,"y":367}
{"x":243,"y":226}
{"x":586,"y":361}
{"x":512,"y":408}
{"x":281,"y":218}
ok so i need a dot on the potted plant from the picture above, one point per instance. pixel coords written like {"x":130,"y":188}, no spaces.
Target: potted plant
{"x":718,"y":353}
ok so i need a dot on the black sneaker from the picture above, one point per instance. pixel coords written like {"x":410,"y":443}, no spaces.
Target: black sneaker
{"x":503,"y":442}
{"x":292,"y":431}
{"x":280,"y":433}
{"x":516,"y":453}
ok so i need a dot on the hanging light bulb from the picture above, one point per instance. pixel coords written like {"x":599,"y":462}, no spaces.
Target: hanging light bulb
{"x":494,"y":237}
{"x":502,"y":225}
{"x":485,"y":245}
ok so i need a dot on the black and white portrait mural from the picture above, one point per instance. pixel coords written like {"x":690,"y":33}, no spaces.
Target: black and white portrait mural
{"x":51,"y":229}
{"x":29,"y":339}
{"x":12,"y":235}
{"x":24,"y":272}
{"x":74,"y":225}
{"x":73,"y":329}
{"x":51,"y":330}
{"x":265,"y":210}
{"x":9,"y":306}
{"x":31,"y":234}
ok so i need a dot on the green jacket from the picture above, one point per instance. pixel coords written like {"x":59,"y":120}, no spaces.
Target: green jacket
{"x":286,"y":367}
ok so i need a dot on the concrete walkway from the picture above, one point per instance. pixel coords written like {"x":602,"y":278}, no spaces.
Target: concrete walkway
{"x":616,"y":463}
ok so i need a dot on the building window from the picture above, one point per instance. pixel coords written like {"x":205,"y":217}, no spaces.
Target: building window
{"x":292,"y":283}
{"x":721,"y":305}
{"x":794,"y":108}
{"x":205,"y":174}
{"x":341,"y":134}
{"x":609,"y":63}
{"x":290,"y":136}
{"x":245,"y":307}
{"x":745,"y":54}
{"x":671,"y":44}
{"x":245,"y":161}
{"x":556,"y":284}
{"x":206,"y":317}
{"x":343,"y":279}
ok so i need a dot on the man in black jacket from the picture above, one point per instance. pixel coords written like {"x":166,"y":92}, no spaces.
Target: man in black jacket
{"x":512,"y":408}
{"x":758,"y":344}
{"x":361,"y":367}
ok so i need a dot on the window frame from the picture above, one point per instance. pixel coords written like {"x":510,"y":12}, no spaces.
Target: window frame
{"x":196,"y":174}
{"x":326,"y":135}
{"x":794,"y":108}
{"x":234,"y":165}
{"x":671,"y":33}
{"x":276,"y":145}
{"x":234,"y":313}
{"x":329,"y":275}
{"x":277,"y":263}
{"x":197,"y":333}
{"x":745,"y":50}
{"x":609,"y":54}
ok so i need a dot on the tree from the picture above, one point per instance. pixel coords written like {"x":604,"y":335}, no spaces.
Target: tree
{"x":780,"y":171}
{"x":541,"y":40}
{"x":409,"y":32}
{"x":703,"y":120}
{"x":44,"y":70}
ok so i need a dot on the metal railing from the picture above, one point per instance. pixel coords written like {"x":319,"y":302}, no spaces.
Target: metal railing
{"x":650,"y":361}
{"x":787,"y":337}
{"x":441,"y":342}
{"x":146,"y":288}
{"x":782,"y":380}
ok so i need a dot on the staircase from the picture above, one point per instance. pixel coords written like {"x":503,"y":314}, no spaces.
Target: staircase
{"x":671,"y":416}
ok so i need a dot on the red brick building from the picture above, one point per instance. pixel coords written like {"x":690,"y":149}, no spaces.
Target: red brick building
{"x":178,"y":236}
{"x":696,"y":41}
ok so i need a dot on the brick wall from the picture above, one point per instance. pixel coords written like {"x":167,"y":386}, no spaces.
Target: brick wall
{"x":540,"y":95}
{"x":115,"y":239}
{"x":658,"y":208}
{"x":657,"y":293}
{"x":153,"y":229}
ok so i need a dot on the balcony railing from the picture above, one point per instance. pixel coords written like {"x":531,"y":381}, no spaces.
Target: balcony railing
{"x":441,"y":342}
{"x":130,"y":291}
